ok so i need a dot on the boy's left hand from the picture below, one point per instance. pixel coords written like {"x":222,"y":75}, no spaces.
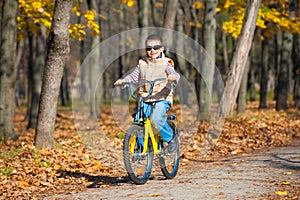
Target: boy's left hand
{"x":172,"y":77}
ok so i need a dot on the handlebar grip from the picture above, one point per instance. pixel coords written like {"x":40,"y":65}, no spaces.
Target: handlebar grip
{"x":144,"y":81}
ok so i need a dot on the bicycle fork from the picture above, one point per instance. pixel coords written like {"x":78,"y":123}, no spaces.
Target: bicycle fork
{"x":149,"y":132}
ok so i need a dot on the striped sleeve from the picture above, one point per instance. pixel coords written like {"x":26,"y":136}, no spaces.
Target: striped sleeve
{"x":133,"y":76}
{"x":170,"y":70}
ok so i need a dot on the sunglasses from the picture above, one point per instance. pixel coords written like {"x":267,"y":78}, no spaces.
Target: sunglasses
{"x":155,"y":47}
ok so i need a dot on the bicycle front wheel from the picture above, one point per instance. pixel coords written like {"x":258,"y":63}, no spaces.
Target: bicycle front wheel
{"x":169,"y":161}
{"x":137,"y":164}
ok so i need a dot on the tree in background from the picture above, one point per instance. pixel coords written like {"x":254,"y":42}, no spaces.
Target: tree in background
{"x":8,"y":69}
{"x":296,"y":60}
{"x":285,"y":64}
{"x":239,"y":59}
{"x":58,"y":50}
{"x":274,"y":17}
{"x":35,"y":19}
{"x":208,"y":68}
{"x":34,"y":22}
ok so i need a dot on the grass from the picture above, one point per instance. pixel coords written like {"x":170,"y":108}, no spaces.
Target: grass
{"x":7,"y":171}
{"x":10,"y":153}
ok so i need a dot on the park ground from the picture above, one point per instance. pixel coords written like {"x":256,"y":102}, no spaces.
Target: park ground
{"x":256,"y":156}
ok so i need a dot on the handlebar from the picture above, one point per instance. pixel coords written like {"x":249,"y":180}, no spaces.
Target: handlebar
{"x":138,"y":83}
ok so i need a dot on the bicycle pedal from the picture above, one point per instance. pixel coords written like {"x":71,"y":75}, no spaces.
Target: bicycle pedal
{"x":171,"y":117}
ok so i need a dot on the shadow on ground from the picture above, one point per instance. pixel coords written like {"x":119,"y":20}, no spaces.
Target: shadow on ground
{"x":289,"y":160}
{"x":96,"y":181}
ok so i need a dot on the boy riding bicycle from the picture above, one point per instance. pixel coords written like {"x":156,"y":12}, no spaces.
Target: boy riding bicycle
{"x":156,"y":65}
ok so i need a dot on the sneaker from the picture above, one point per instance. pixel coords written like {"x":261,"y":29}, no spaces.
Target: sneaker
{"x":171,"y":146}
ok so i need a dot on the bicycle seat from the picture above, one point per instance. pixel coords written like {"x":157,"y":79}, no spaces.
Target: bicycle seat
{"x":171,"y":117}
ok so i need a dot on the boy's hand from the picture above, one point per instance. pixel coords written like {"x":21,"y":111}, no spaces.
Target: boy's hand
{"x":172,"y":77}
{"x":119,"y":82}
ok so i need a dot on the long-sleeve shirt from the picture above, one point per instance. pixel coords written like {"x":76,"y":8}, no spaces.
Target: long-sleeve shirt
{"x":150,"y":70}
{"x":134,"y":76}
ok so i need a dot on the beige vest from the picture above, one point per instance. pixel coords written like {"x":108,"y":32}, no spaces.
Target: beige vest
{"x":151,"y":70}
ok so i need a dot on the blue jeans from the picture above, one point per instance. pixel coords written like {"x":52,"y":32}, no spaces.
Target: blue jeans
{"x":158,"y":117}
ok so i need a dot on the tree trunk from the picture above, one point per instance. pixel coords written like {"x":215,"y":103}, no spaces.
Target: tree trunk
{"x":58,"y":49}
{"x":143,"y":22}
{"x":84,"y":50}
{"x":154,"y":14}
{"x":272,"y":64}
{"x":252,"y":82}
{"x":187,"y":15}
{"x":264,"y":74}
{"x":96,"y":92}
{"x":64,"y":88}
{"x":243,"y":89}
{"x":225,"y":52}
{"x":208,"y":66}
{"x":182,"y":66}
{"x":170,"y":15}
{"x":8,"y":69}
{"x":284,"y":71}
{"x":169,"y":19}
{"x":255,"y":54}
{"x":239,"y":60}
{"x":296,"y":61}
{"x":20,"y":89}
{"x":35,"y":77}
{"x":195,"y":36}
{"x":296,"y":70}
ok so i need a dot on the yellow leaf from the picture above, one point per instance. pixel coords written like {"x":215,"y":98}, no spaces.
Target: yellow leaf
{"x":288,"y":173}
{"x":47,"y":24}
{"x":228,"y":3}
{"x":214,"y":186}
{"x":82,"y":32}
{"x":56,"y":166}
{"x":96,"y":162}
{"x":130,"y":3}
{"x":285,"y":183}
{"x":198,"y":5}
{"x":281,"y":193}
{"x":23,"y":183}
{"x":155,"y":195}
{"x":86,"y":162}
{"x":37,"y":5}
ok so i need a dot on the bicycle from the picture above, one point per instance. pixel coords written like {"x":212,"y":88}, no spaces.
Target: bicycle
{"x":142,"y":142}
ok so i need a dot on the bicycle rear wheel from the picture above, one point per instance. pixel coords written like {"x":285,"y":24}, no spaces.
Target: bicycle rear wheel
{"x":138,"y":165}
{"x":169,"y":161}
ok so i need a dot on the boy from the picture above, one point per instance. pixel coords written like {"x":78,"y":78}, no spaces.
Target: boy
{"x":155,"y":66}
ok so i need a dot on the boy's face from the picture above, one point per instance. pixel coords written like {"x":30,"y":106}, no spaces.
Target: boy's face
{"x":154,"y":48}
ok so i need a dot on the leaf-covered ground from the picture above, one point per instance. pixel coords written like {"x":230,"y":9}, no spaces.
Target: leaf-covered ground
{"x":27,"y":172}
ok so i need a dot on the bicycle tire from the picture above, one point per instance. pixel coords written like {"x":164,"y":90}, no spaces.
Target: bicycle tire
{"x":169,"y":162}
{"x":138,"y":166}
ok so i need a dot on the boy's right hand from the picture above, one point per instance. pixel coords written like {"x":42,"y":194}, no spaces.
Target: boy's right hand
{"x":119,"y":82}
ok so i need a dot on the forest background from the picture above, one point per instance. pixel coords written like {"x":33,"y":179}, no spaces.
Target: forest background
{"x":269,"y":76}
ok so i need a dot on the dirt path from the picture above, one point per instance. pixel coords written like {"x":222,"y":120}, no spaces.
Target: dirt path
{"x":255,"y":176}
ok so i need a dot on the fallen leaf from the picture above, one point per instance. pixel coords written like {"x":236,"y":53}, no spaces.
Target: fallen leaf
{"x":285,"y":183}
{"x":214,"y":186}
{"x":23,"y":183}
{"x":220,"y":196}
{"x":155,"y":195}
{"x":281,"y":193}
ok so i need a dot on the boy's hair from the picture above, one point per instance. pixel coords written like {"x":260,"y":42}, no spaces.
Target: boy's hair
{"x":154,"y":37}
